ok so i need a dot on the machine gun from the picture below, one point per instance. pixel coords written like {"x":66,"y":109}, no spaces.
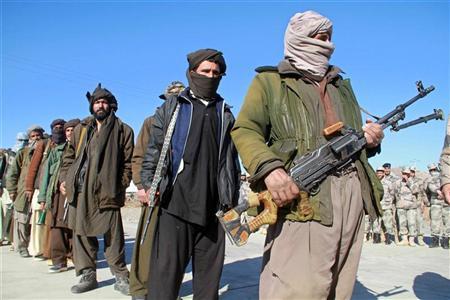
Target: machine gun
{"x":309,"y":170}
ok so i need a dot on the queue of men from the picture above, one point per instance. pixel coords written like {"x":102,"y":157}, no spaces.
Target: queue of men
{"x":68,"y":189}
{"x":408,"y":202}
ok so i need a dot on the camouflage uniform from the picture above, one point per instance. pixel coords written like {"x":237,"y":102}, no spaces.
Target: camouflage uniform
{"x":445,"y":172}
{"x":439,"y":212}
{"x":393,"y":179}
{"x":418,"y":188}
{"x":387,"y":206}
{"x":406,"y":210}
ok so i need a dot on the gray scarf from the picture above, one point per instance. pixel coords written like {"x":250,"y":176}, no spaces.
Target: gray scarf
{"x":304,"y":52}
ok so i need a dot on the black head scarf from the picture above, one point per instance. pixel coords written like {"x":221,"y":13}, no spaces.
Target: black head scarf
{"x":203,"y":86}
{"x":57,"y":122}
{"x":101,"y":93}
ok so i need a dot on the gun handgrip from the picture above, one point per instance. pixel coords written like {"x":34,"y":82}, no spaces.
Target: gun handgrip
{"x":268,"y":215}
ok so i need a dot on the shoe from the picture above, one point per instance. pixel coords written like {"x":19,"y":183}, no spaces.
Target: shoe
{"x":122,"y":285}
{"x":39,"y":257}
{"x":412,"y":243}
{"x":420,"y":241}
{"x":404,"y":241}
{"x":11,"y":248}
{"x":24,"y":253}
{"x":376,"y":238}
{"x":58,"y":268}
{"x":389,"y":239}
{"x":87,"y":282}
{"x":49,"y":262}
{"x":70,"y":263}
{"x":444,"y":242}
{"x":434,"y":242}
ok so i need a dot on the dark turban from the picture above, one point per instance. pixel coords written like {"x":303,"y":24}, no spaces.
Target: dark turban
{"x":57,"y":122}
{"x":196,"y":58}
{"x":71,"y":123}
{"x":101,"y":93}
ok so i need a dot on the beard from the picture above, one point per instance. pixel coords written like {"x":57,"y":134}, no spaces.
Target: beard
{"x":101,"y":114}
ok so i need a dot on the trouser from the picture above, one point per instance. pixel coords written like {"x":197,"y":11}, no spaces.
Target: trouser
{"x":140,"y":261}
{"x":85,"y":250}
{"x":407,"y":221}
{"x":440,"y":220}
{"x":23,"y":230}
{"x":307,"y":260}
{"x":7,"y":216}
{"x":47,"y":239}
{"x":61,"y":245}
{"x":419,"y":221}
{"x":37,"y":236}
{"x":388,"y":221}
{"x":175,"y":243}
{"x":376,"y":226}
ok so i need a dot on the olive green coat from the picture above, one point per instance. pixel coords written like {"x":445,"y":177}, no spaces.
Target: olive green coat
{"x":15,"y":178}
{"x":282,"y":118}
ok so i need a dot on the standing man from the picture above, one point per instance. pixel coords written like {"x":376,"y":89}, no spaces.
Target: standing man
{"x":406,"y":205}
{"x":386,"y":205}
{"x":445,"y":165}
{"x":95,"y":172}
{"x":439,"y":210}
{"x":15,"y":184}
{"x":140,"y":261}
{"x":309,"y":253}
{"x":55,"y":203}
{"x":418,"y":188}
{"x":200,"y":175}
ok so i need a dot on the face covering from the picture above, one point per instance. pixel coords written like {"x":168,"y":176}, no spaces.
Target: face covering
{"x":202,"y":86}
{"x":58,"y":136}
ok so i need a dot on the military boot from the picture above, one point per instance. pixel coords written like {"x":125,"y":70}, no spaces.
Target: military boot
{"x":412,"y":243}
{"x":87,"y":282}
{"x":444,"y":242}
{"x":389,"y":239}
{"x":376,"y":238}
{"x":404,"y":241}
{"x":420,"y":241}
{"x":368,"y":237}
{"x":434,"y":242}
{"x":122,"y":285}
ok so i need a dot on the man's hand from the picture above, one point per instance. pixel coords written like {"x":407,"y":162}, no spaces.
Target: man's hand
{"x":142,"y":196}
{"x":29,"y":195}
{"x":373,"y":134}
{"x":281,"y":187}
{"x":446,"y":192}
{"x":62,"y":188}
{"x":42,"y":205}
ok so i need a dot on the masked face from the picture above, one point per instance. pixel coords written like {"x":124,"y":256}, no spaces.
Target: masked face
{"x":101,"y":109}
{"x":204,"y":80}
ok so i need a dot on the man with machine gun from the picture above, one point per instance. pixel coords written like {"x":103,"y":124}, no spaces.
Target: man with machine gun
{"x":313,"y":249}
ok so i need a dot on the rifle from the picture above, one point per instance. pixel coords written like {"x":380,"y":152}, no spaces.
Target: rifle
{"x":309,"y":170}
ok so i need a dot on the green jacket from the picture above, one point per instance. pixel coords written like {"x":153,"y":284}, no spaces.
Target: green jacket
{"x":15,"y":178}
{"x":49,"y":182}
{"x":281,"y":118}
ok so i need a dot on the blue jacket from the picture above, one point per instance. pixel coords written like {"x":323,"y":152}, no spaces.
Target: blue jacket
{"x":228,"y":168}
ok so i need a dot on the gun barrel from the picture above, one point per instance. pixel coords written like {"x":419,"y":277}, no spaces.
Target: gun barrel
{"x":437,"y":115}
{"x":401,"y":108}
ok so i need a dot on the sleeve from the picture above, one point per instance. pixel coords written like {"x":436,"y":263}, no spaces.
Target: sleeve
{"x":13,"y":174}
{"x":127,"y":155}
{"x":34,"y":165}
{"x":251,"y":132}
{"x":139,"y":151}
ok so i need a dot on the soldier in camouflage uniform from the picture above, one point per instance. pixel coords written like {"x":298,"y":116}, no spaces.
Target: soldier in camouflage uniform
{"x":420,"y":205}
{"x":439,"y":211}
{"x":406,"y":209}
{"x":393,"y":179}
{"x":387,"y":206}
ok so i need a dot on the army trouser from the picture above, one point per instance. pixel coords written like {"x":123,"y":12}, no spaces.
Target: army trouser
{"x":407,"y":221}
{"x":376,"y":226}
{"x":440,"y":220}
{"x":419,"y":221}
{"x":388,"y":221}
{"x":307,"y":260}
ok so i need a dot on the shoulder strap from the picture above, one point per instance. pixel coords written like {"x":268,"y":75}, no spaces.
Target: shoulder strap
{"x":162,"y":157}
{"x":83,"y":133}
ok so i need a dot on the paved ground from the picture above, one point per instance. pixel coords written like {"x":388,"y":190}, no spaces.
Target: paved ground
{"x":385,"y":272}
